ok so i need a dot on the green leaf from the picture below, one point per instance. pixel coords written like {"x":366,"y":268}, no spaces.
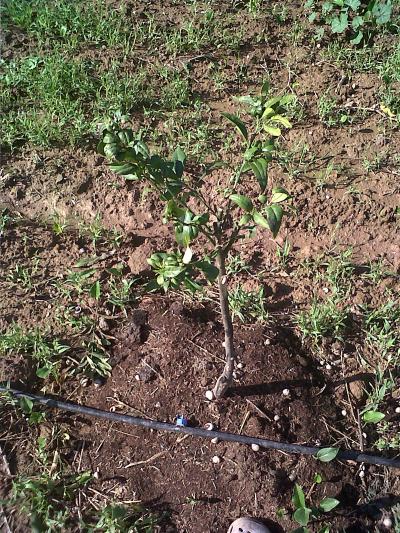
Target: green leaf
{"x":275,"y":132}
{"x":245,"y":219}
{"x":179,"y":158}
{"x":26,"y":404}
{"x":312,"y":16}
{"x":260,"y":220}
{"x":298,"y":497}
{"x":382,"y":12}
{"x":373,"y":417}
{"x":274,"y":216}
{"x":317,"y":478}
{"x":325,"y":455}
{"x":302,"y":515}
{"x":279,"y":194}
{"x":324,"y":529}
{"x":43,"y":372}
{"x":238,"y":123}
{"x":282,"y":120}
{"x":327,"y":504}
{"x":265,"y":88}
{"x":340,"y":24}
{"x":357,"y":22}
{"x":211,"y":271}
{"x":242,"y":201}
{"x":353,"y":4}
{"x":95,"y":290}
{"x":259,"y":167}
{"x":358,"y":38}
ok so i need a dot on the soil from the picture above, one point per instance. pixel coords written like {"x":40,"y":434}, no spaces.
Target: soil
{"x":166,"y":350}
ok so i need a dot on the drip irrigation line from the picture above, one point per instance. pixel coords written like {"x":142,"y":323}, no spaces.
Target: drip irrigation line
{"x":346,"y":455}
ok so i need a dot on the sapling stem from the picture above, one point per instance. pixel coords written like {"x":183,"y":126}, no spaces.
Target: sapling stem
{"x":225,"y":379}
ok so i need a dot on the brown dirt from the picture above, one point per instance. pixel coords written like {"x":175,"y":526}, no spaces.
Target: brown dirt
{"x":180,"y":339}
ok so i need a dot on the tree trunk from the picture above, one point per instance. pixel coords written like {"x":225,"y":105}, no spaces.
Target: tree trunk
{"x":225,"y":379}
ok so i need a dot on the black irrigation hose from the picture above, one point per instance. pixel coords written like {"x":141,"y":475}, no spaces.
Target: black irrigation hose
{"x":347,"y":455}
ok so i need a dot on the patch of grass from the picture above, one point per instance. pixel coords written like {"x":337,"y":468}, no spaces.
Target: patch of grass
{"x":322,"y":319}
{"x":70,"y":23}
{"x":248,"y":305}
{"x":382,"y":329}
{"x":338,"y":273}
{"x":45,"y":353}
{"x":24,"y":275}
{"x":54,"y":99}
{"x":115,"y":518}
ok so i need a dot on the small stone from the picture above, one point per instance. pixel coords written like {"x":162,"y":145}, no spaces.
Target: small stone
{"x":215,"y":440}
{"x":255,"y":447}
{"x":210,"y":395}
{"x":325,"y":290}
{"x":397,"y":410}
{"x":344,"y":412}
{"x":209,"y":426}
{"x":357,"y":389}
{"x":216,"y":460}
{"x":96,"y":475}
{"x":240,"y":365}
{"x":387,"y":522}
{"x":361,"y":474}
{"x":286,"y":392}
{"x":103,"y":324}
{"x":267,"y":342}
{"x":328,"y":366}
{"x":276,"y":418}
{"x":157,"y":405}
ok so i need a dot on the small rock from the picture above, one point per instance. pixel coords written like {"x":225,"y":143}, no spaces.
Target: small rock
{"x":209,"y":426}
{"x":286,"y":392}
{"x":276,"y":418}
{"x":255,"y":447}
{"x":215,"y":440}
{"x":210,"y":395}
{"x":357,"y":389}
{"x":216,"y":460}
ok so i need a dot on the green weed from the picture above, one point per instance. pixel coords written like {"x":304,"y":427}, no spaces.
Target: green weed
{"x":248,"y":305}
{"x":382,"y":327}
{"x":322,"y":319}
{"x":69,"y":23}
{"x":45,"y":353}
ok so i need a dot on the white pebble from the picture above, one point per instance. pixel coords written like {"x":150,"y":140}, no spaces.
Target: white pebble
{"x":344,"y":412}
{"x":328,"y":366}
{"x":387,"y":522}
{"x":276,"y":418}
{"x":137,"y":377}
{"x":267,"y":342}
{"x":364,"y":435}
{"x":96,"y":475}
{"x":215,"y":440}
{"x":397,"y":410}
{"x":255,"y":447}
{"x":210,"y":395}
{"x":209,"y":426}
{"x":240,"y":365}
{"x":157,"y":405}
{"x":216,"y":460}
{"x":286,"y":392}
{"x":325,"y":289}
{"x":361,"y":474}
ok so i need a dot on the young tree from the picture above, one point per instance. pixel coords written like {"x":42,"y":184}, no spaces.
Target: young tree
{"x":215,"y":225}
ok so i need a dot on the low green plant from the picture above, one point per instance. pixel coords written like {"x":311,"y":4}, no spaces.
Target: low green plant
{"x":322,"y":319}
{"x":115,"y":518}
{"x":44,"y":352}
{"x":303,"y":514}
{"x":357,"y":19}
{"x":220,"y":223}
{"x":382,"y":327}
{"x":46,"y":497}
{"x":248,"y":305}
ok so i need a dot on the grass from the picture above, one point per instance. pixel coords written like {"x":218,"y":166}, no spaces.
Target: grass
{"x":45,"y":353}
{"x":322,"y":319}
{"x":248,"y":305}
{"x":71,"y":23}
{"x":54,"y":99}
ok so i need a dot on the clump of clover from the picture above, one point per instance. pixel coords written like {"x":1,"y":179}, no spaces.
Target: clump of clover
{"x":215,"y":225}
